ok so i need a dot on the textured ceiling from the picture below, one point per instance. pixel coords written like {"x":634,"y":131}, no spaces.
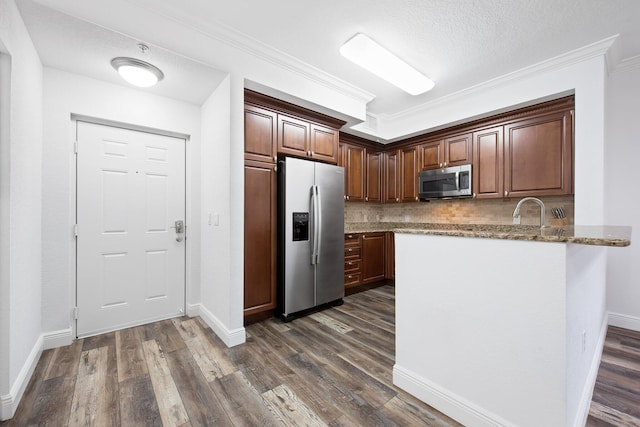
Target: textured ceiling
{"x":456,"y":43}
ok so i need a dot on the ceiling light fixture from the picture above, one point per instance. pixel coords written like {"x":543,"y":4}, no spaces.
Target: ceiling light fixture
{"x":374,"y":58}
{"x":138,"y":73}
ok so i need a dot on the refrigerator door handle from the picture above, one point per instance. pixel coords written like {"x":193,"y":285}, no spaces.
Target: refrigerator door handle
{"x":314,"y":224}
{"x":318,"y":223}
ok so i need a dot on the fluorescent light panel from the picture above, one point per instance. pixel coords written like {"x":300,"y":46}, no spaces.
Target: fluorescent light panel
{"x":374,"y":58}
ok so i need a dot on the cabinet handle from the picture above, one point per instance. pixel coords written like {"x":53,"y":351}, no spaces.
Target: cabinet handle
{"x":366,"y":199}
{"x":474,"y":195}
{"x":349,"y":277}
{"x":347,"y":197}
{"x":275,"y":168}
{"x":308,"y":153}
{"x":275,"y":158}
{"x":350,"y":236}
{"x":350,"y":250}
{"x":445,"y":164}
{"x":312,"y":153}
{"x":440,"y":164}
{"x":506,"y":193}
{"x":350,"y":263}
{"x":417,"y":198}
{"x":397,"y":199}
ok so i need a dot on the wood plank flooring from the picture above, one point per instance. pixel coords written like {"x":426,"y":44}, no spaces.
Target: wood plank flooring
{"x":331,"y":368}
{"x":616,"y":395}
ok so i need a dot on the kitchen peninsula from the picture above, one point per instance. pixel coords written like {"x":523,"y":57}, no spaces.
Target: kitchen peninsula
{"x":501,"y":325}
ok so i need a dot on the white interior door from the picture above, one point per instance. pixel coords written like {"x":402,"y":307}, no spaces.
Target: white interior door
{"x":130,"y":258}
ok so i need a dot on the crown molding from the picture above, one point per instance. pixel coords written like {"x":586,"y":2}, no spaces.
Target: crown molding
{"x":561,"y":61}
{"x":251,"y":46}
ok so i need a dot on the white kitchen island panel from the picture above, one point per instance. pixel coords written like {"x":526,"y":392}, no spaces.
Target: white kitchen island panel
{"x":499,"y":332}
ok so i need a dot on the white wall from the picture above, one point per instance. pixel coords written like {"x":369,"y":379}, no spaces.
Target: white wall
{"x":220,"y":307}
{"x":621,"y":189}
{"x":65,"y":94}
{"x":20,"y":208}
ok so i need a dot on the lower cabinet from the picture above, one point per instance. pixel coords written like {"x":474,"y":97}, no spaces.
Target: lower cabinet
{"x":259,"y":241}
{"x":365,"y":259}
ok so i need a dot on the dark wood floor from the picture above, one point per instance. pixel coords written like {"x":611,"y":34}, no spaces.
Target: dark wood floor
{"x":330,"y":368}
{"x":616,"y":396}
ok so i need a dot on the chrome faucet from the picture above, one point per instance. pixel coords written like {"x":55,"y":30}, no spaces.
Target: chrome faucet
{"x":516,"y":212}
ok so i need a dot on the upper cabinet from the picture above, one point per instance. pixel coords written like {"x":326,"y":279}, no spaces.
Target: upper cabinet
{"x":374,"y":177}
{"x":487,"y":169}
{"x":354,"y":163}
{"x":525,"y":152}
{"x":391,"y":176}
{"x":451,"y":151}
{"x":292,"y":130}
{"x":324,"y":144}
{"x":538,"y":156}
{"x":409,"y":160}
{"x":260,"y":130}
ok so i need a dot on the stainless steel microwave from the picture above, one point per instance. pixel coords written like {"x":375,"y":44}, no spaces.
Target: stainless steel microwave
{"x":454,"y":181}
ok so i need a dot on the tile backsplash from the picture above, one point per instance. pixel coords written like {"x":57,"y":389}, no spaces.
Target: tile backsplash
{"x":460,"y":211}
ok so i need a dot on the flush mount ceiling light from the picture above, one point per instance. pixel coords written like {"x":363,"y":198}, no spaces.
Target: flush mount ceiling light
{"x":137,"y":72}
{"x":374,"y":58}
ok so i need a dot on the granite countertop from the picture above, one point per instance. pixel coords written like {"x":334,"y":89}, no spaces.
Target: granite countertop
{"x":582,"y":234}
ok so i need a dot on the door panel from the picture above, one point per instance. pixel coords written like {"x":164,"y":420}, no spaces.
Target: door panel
{"x":131,"y":190}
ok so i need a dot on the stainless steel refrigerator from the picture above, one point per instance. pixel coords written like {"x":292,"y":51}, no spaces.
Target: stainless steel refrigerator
{"x":310,"y":236}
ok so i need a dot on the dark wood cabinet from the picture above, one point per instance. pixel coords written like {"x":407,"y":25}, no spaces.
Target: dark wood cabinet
{"x":488,"y":170}
{"x":390,"y":256}
{"x":352,"y":260}
{"x":260,"y":250}
{"x":324,"y":144}
{"x":374,"y":177}
{"x":365,"y":262}
{"x":260,"y":130}
{"x":409,"y":183}
{"x":432,"y":155}
{"x":450,"y":151}
{"x":392,"y":179}
{"x":293,"y":136}
{"x":538,"y":156}
{"x":354,"y":162}
{"x":373,"y":257}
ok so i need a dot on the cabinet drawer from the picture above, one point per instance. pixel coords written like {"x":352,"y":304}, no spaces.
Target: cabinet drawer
{"x":351,"y":279}
{"x":352,"y":266}
{"x":352,"y":252}
{"x":351,"y":238}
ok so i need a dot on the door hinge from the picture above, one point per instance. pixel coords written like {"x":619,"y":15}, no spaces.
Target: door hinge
{"x":75,"y":230}
{"x":75,"y":313}
{"x":75,"y":147}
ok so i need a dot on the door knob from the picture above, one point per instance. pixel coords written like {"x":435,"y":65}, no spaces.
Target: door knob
{"x":179,"y":226}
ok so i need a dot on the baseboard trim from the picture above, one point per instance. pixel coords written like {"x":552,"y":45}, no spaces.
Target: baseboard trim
{"x":587,"y":392}
{"x":446,"y":402}
{"x":230,"y":337}
{"x":57,"y":338}
{"x":624,"y":321}
{"x":9,"y":402}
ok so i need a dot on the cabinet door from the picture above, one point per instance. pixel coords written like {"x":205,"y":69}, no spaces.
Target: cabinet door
{"x":373,"y":260}
{"x":293,"y":136}
{"x":409,"y":185}
{"x":538,"y":155}
{"x":457,"y":150}
{"x":324,"y":144}
{"x":432,"y":155}
{"x":390,"y":253}
{"x":392,"y":178}
{"x":488,"y":169}
{"x":374,"y":178}
{"x":259,"y":237}
{"x":260,"y":130}
{"x":354,"y":159}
